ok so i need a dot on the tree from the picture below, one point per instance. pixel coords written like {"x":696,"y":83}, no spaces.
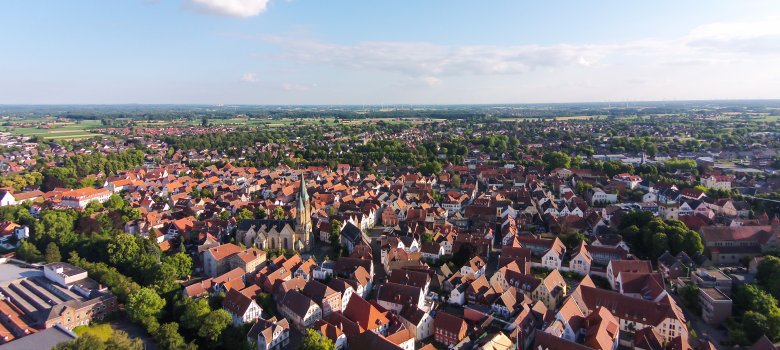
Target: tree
{"x":335,"y":234}
{"x":266,"y":302}
{"x":194,"y":312}
{"x":768,"y":275}
{"x":244,"y":214}
{"x":114,"y":202}
{"x":214,"y":324}
{"x":313,"y":340}
{"x":181,"y":262}
{"x":123,"y":249}
{"x":690,"y":295}
{"x":660,"y":244}
{"x":692,"y":244}
{"x":751,"y":297}
{"x":573,"y":240}
{"x":120,"y":284}
{"x":278,"y":213}
{"x":165,"y":276}
{"x":455,"y":181}
{"x":119,"y":340}
{"x":144,"y":303}
{"x":554,"y":160}
{"x":28,"y":252}
{"x":168,"y":337}
{"x":86,"y":341}
{"x":52,"y":253}
{"x":756,"y":324}
{"x":431,"y":168}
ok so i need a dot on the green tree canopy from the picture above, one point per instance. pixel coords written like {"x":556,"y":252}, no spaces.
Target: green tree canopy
{"x":214,"y":324}
{"x":144,"y":303}
{"x":194,"y":312}
{"x":313,"y":340}
{"x":52,"y":253}
{"x":769,"y":275}
{"x":28,"y":252}
{"x":554,"y":160}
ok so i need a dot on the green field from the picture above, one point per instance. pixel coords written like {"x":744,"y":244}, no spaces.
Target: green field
{"x":101,"y":330}
{"x":58,"y":130}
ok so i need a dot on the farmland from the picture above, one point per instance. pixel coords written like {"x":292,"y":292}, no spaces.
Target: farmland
{"x":55,"y":130}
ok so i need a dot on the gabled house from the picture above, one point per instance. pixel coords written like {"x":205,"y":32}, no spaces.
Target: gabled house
{"x":581,"y":260}
{"x":366,"y":315}
{"x":299,"y":309}
{"x":551,"y":291}
{"x":328,"y":299}
{"x":417,"y":321}
{"x":241,"y":305}
{"x":270,"y":334}
{"x":616,"y":267}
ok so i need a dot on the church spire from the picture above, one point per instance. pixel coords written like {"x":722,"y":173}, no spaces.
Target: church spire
{"x":303,"y":196}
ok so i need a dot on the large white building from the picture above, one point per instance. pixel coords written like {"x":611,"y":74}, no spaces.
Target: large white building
{"x":80,"y":198}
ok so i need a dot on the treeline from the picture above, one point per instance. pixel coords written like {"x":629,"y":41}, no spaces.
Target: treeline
{"x":649,"y":237}
{"x":145,"y":279}
{"x":756,"y":310}
{"x":73,"y":170}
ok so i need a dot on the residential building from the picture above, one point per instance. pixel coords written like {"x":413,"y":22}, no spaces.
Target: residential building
{"x":328,"y":299}
{"x":715,"y":305}
{"x":270,"y":334}
{"x":448,"y":329}
{"x":216,"y":260}
{"x":80,"y":198}
{"x":242,"y":305}
{"x":299,"y":309}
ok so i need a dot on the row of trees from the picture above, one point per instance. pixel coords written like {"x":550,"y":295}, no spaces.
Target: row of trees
{"x":650,"y":236}
{"x":145,"y":279}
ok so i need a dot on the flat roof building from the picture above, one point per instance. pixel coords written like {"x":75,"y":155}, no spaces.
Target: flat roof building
{"x":715,"y":305}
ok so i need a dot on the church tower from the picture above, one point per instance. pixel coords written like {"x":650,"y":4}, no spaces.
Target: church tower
{"x":303,"y":221}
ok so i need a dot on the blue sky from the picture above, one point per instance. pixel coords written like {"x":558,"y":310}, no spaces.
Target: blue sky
{"x":378,"y":52}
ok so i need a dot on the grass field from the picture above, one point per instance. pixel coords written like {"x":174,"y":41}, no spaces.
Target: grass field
{"x":102,"y":330}
{"x":58,"y":130}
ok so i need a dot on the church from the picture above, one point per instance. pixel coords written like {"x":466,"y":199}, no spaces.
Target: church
{"x":289,"y":234}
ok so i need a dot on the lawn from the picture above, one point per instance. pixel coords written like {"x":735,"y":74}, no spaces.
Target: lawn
{"x":100,"y":330}
{"x":59,"y":130}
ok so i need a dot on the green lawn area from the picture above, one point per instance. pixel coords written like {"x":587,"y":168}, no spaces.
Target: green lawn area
{"x":59,"y":131}
{"x":101,"y":330}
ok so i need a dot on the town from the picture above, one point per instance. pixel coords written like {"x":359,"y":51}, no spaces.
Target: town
{"x":473,"y":228}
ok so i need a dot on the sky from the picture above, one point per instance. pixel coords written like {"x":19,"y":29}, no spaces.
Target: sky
{"x":386,"y":52}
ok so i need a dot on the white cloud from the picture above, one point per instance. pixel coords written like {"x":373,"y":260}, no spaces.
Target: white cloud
{"x":712,"y":44}
{"x":296,"y":87}
{"x":431,"y":60}
{"x":232,"y":8}
{"x":249,"y":78}
{"x":432,"y":81}
{"x":758,"y":37}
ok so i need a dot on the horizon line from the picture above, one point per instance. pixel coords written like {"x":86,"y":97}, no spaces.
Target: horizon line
{"x":390,"y":104}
